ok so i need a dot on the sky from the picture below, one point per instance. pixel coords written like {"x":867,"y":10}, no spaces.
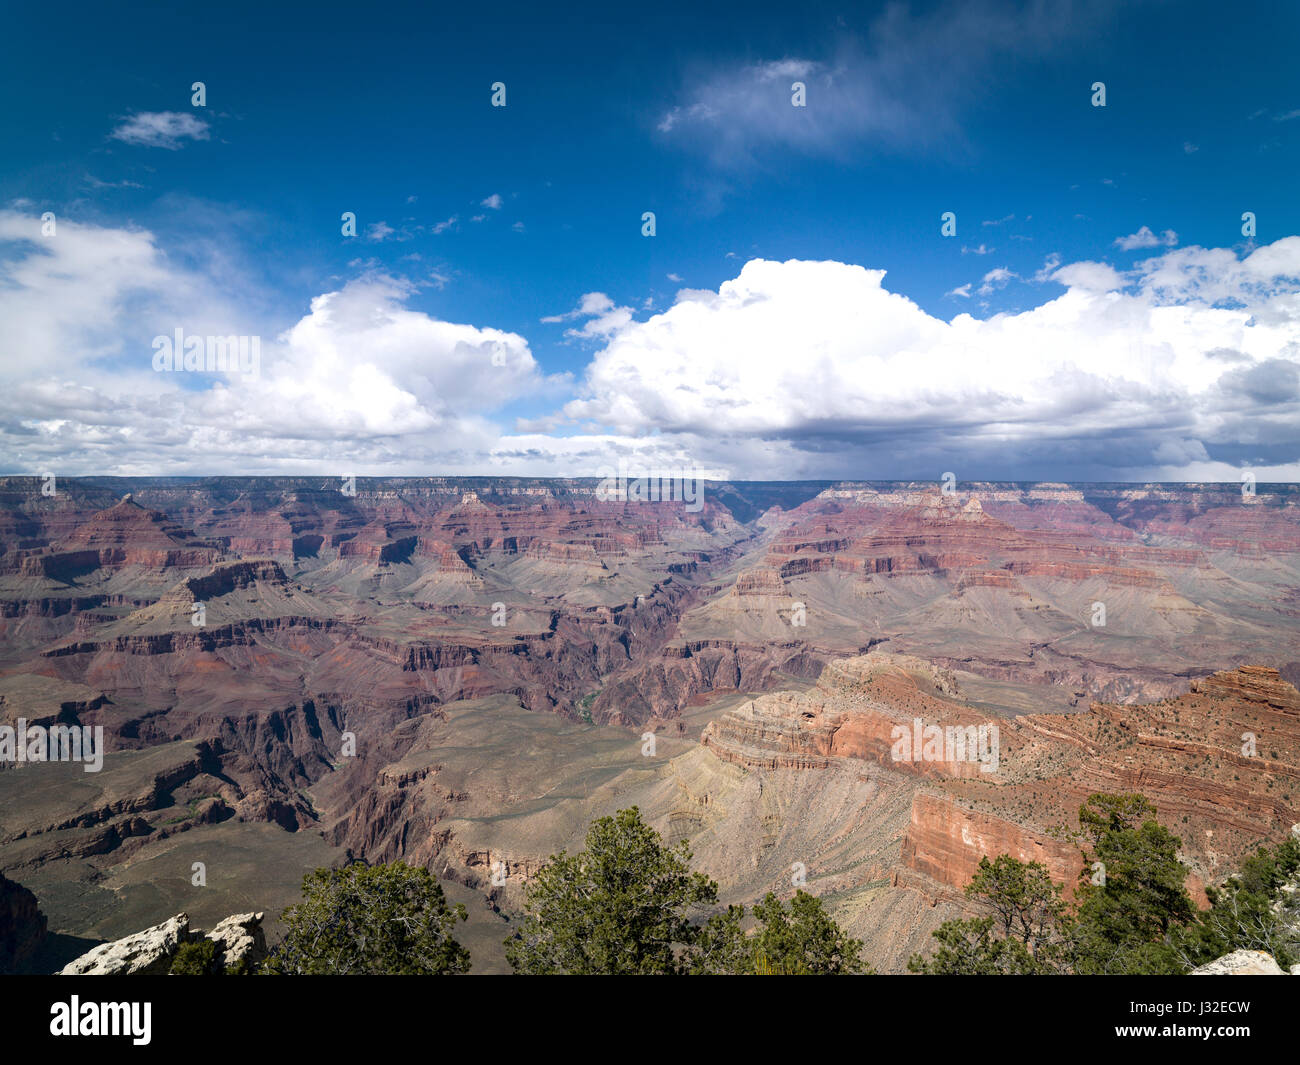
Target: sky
{"x":951,"y":257}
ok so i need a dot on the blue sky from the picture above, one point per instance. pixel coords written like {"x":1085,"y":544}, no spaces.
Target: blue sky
{"x":496,"y":219}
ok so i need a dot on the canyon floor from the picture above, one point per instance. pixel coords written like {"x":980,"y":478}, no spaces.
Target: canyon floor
{"x":462,"y":673}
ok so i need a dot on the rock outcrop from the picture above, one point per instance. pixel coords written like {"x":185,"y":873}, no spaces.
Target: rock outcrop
{"x":239,"y":939}
{"x":1241,"y":963}
{"x":147,"y":953}
{"x":22,"y":926}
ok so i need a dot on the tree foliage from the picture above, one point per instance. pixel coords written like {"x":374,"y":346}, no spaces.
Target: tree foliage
{"x":1128,"y":920}
{"x":802,"y":940}
{"x":623,"y":905}
{"x":1022,"y":933}
{"x":199,"y":958}
{"x":969,"y":947}
{"x":1258,"y":909}
{"x":629,"y":904}
{"x":371,"y":920}
{"x":1131,"y":912}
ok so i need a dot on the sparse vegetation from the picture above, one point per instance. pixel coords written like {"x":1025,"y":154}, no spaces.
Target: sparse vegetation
{"x":370,"y":920}
{"x":1027,"y":912}
{"x":197,"y":959}
{"x":630,"y":904}
{"x":1258,"y":909}
{"x":1131,"y":913}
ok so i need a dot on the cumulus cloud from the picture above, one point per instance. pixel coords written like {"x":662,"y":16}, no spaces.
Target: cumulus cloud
{"x":1144,"y":238}
{"x":88,"y":293}
{"x":1184,"y":365}
{"x":603,"y":317}
{"x":361,"y":378}
{"x":1088,"y":276}
{"x":161,"y":129}
{"x":493,"y":201}
{"x":831,"y":370}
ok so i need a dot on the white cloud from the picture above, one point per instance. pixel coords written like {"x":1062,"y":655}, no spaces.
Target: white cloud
{"x":820,"y":361}
{"x":64,"y":299}
{"x":360,"y":378}
{"x":442,"y":227}
{"x":161,"y":129}
{"x":493,"y":201}
{"x":604,"y":317}
{"x":1144,"y":238}
{"x":1049,"y":267}
{"x":1086,"y":276}
{"x":995,"y":279}
{"x":96,"y":183}
{"x":1186,"y":364}
{"x":903,"y":84}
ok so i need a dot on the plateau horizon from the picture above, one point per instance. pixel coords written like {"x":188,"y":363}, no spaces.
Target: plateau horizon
{"x":611,"y":481}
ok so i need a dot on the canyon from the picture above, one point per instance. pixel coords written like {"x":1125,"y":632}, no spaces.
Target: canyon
{"x":462,"y":672}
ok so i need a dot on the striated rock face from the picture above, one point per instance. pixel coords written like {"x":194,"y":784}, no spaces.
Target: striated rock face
{"x":945,"y":842}
{"x":1185,"y":754}
{"x":147,"y":953}
{"x":1254,"y":684}
{"x":854,"y":712}
{"x":663,"y":686}
{"x":577,"y":554}
{"x":762,"y":581}
{"x":123,"y":535}
{"x":332,"y":614}
{"x":1006,"y":581}
{"x":231,"y":576}
{"x":22,"y":925}
{"x":451,"y":567}
{"x":1241,"y":963}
